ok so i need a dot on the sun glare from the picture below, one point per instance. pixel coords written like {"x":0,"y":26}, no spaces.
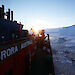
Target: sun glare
{"x":37,"y":24}
{"x":36,"y":30}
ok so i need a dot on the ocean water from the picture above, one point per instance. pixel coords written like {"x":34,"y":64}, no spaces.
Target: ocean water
{"x":63,"y":48}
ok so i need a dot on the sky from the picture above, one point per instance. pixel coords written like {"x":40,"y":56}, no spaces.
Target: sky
{"x":42,"y":13}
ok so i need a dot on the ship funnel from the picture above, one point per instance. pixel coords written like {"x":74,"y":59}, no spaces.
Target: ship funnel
{"x":8,"y":14}
{"x":2,"y":12}
{"x":12,"y":15}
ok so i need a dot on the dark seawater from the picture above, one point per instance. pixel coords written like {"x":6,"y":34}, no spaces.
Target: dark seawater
{"x":63,"y":48}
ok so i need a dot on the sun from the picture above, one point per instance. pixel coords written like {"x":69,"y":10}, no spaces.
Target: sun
{"x":37,"y":25}
{"x":36,"y":29}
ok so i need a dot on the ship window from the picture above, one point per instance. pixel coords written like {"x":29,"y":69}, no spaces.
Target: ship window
{"x":16,"y":36}
{"x":13,"y":35}
{"x":2,"y":37}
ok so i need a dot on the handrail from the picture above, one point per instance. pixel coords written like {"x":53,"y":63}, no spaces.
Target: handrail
{"x":51,"y":55}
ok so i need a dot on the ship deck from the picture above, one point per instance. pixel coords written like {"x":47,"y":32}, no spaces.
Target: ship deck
{"x":42,"y":64}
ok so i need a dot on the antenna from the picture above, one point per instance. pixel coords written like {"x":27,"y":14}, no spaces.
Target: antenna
{"x":8,"y":14}
{"x":11,"y":15}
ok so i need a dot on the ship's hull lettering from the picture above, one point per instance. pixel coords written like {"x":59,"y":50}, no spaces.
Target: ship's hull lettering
{"x":3,"y":54}
{"x":8,"y":52}
{"x":25,"y":44}
{"x":12,"y":50}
